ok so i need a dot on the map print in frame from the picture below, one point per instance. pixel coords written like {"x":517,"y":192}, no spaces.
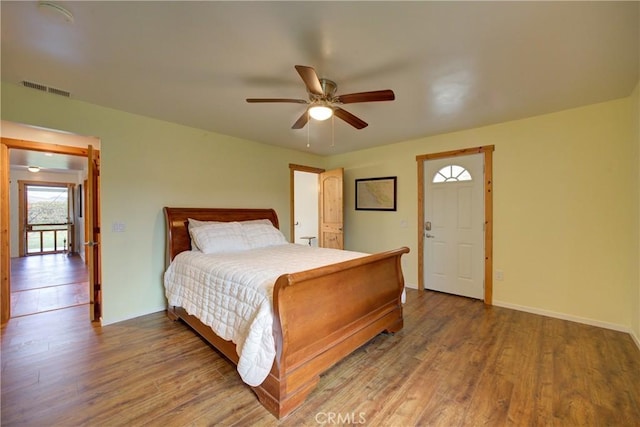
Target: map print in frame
{"x":376,"y":194}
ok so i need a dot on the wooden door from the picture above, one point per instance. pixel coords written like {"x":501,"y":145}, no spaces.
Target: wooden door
{"x":71,"y":219}
{"x":453,"y":227}
{"x":5,"y":264}
{"x":331,"y":211}
{"x":93,"y":237}
{"x":83,"y":211}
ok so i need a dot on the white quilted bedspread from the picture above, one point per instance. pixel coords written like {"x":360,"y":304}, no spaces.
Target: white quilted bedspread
{"x":232,"y":293}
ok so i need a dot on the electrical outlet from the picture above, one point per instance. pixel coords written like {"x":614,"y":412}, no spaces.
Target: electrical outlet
{"x":499,"y":275}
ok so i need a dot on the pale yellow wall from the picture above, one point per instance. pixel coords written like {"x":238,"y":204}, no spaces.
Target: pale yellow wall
{"x":563,"y":203}
{"x":147,"y":164}
{"x":566,"y":191}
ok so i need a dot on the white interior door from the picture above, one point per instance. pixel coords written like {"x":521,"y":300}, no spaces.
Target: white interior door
{"x":453,"y":231}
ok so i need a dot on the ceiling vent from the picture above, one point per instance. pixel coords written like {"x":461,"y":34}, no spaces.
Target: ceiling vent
{"x":44,"y":88}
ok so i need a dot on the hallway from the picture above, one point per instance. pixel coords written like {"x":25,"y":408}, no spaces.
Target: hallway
{"x":42,"y":283}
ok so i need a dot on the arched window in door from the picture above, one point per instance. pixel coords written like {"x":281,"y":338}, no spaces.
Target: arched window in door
{"x":452,"y":173}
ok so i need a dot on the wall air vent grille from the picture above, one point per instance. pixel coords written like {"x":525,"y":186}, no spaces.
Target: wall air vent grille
{"x":33,"y":85}
{"x":59,"y":92}
{"x":44,"y":88}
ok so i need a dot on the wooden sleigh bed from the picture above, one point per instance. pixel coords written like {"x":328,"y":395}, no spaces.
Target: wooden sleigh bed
{"x":320,"y":315}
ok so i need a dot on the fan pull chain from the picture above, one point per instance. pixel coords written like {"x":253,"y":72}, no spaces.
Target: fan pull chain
{"x":332,"y":132}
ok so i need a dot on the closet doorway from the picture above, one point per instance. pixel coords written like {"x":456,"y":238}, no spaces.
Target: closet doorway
{"x":316,"y":206}
{"x":305,"y":219}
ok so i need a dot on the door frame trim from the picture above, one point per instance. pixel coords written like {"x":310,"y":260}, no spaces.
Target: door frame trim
{"x":5,"y":265}
{"x":487,"y":151}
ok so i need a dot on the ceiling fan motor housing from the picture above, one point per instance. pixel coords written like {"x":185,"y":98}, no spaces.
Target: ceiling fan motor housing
{"x":322,"y":96}
{"x":329,"y":88}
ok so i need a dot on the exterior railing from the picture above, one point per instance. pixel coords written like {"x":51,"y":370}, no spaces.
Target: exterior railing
{"x":47,"y":238}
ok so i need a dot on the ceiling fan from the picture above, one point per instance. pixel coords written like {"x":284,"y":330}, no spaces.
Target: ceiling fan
{"x":323,"y":102}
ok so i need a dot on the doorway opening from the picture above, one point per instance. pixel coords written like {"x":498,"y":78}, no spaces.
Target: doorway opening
{"x":454,"y":226}
{"x":442,"y":175}
{"x":45,"y":270}
{"x":305,"y":199}
{"x":303,"y":204}
{"x":324,"y":228}
{"x":48,"y":274}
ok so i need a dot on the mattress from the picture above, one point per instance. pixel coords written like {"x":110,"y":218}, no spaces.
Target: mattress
{"x":233,"y":294}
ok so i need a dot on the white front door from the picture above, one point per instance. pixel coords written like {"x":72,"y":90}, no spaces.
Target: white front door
{"x":453,"y":231}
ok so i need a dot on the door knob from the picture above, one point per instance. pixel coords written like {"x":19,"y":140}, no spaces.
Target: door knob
{"x":429,"y":236}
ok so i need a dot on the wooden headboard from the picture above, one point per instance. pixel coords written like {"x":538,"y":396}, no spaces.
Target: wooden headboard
{"x":177,"y":221}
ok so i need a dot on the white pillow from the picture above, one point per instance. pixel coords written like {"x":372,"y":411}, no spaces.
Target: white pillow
{"x":260,"y":234}
{"x":219,"y":237}
{"x":198,"y":223}
{"x":193,"y":223}
{"x":256,"y":221}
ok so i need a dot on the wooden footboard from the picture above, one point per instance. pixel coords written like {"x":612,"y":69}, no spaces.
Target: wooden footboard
{"x":321,"y":315}
{"x":324,"y":314}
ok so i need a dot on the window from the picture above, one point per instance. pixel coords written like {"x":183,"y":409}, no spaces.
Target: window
{"x":47,"y":204}
{"x":47,"y":218}
{"x":452,"y":173}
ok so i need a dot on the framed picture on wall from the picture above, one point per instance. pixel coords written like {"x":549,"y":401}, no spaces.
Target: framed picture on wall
{"x":376,"y":194}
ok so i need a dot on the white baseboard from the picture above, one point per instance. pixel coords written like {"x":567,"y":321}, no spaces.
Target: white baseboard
{"x":564,"y":316}
{"x":635,"y":338}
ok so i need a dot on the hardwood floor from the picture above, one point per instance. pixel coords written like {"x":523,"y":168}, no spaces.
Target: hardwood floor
{"x":455,"y":363}
{"x":47,"y":282}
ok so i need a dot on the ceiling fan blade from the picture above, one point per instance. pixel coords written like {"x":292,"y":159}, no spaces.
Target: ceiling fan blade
{"x":302,"y":120}
{"x":295,"y":101}
{"x":349,"y":118}
{"x":310,"y":79}
{"x":376,"y":95}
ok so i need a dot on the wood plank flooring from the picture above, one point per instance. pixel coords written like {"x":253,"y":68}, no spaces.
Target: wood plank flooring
{"x":455,"y":363}
{"x":47,"y":282}
{"x":40,"y":271}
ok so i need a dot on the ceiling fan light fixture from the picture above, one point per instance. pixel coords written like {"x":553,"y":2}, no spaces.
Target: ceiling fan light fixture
{"x":56,"y":8}
{"x":320,"y":112}
{"x":34,"y":169}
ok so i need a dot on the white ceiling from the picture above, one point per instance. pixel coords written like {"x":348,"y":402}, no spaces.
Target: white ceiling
{"x":452,"y":65}
{"x":49,"y":162}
